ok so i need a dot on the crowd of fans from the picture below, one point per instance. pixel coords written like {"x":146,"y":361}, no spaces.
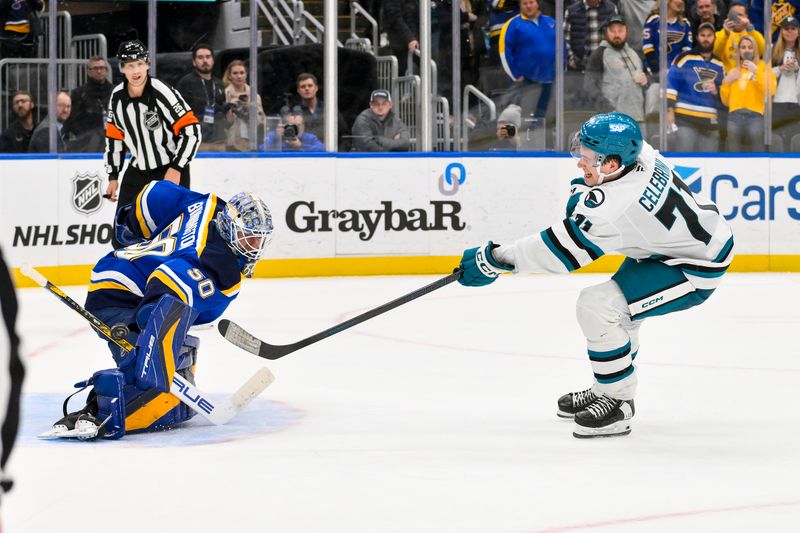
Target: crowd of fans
{"x":716,"y":84}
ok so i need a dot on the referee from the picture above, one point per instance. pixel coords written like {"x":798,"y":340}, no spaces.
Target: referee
{"x":11,"y":372}
{"x":152,"y":121}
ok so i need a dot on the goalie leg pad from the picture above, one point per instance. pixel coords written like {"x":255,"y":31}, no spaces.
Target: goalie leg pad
{"x":159,"y":351}
{"x":153,"y":410}
{"x":109,"y":386}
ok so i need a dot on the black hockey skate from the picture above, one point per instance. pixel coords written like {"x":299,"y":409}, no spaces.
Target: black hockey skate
{"x":572,"y":402}
{"x":82,"y":424}
{"x":605,"y":417}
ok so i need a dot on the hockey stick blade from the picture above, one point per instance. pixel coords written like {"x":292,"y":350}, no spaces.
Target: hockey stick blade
{"x":217,"y":413}
{"x":220,"y":413}
{"x":237,"y":335}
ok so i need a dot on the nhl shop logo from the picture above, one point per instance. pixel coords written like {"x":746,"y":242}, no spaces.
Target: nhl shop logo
{"x":86,"y":197}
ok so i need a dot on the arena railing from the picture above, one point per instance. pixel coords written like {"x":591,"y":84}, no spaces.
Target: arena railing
{"x":89,"y":45}
{"x":31,"y":75}
{"x":407,"y":105}
{"x":63,"y":35}
{"x":355,"y":10}
{"x":471,"y":90}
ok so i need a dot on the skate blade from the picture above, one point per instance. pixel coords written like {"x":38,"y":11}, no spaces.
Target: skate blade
{"x":618,"y":429}
{"x":565,"y":415}
{"x":83,"y":430}
{"x":57,"y":432}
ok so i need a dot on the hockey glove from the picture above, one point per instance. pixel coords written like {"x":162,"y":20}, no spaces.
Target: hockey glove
{"x":480,"y":267}
{"x":122,"y":232}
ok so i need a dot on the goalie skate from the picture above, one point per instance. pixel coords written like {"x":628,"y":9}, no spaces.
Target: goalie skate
{"x":605,"y":417}
{"x":81,"y":426}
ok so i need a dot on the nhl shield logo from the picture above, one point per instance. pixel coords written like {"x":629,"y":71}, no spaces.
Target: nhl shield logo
{"x":86,"y":196}
{"x":151,"y":120}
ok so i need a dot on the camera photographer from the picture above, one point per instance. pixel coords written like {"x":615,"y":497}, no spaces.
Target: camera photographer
{"x":508,"y":130}
{"x":290,"y":134}
{"x":736,"y":25}
{"x":237,"y":99}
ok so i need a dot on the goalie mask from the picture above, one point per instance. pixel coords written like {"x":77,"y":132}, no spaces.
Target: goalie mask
{"x":246,"y":225}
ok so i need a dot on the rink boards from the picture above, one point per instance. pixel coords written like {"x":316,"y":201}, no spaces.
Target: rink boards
{"x":351,"y":214}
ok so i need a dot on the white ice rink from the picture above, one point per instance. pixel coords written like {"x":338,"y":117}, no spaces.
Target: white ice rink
{"x":436,"y":417}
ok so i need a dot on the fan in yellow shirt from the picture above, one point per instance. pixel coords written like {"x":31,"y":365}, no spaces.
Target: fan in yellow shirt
{"x":743,"y":91}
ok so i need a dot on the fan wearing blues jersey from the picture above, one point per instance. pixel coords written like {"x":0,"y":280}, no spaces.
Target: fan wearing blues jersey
{"x":631,"y":202}
{"x":183,"y":259}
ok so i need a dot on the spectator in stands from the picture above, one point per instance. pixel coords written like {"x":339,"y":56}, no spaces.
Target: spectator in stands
{"x":290,"y":135}
{"x":472,"y":45}
{"x":786,"y":103}
{"x":743,"y":91}
{"x":635,"y":13}
{"x":378,"y":129}
{"x":679,"y":35}
{"x":237,"y":98}
{"x":204,"y":94}
{"x":314,"y":109}
{"x":704,"y":12}
{"x":89,"y":104}
{"x":311,"y":104}
{"x":528,"y":51}
{"x":40,"y":141}
{"x":16,"y":138}
{"x":401,"y":22}
{"x":693,"y":95}
{"x":584,"y":22}
{"x":721,"y":5}
{"x":615,"y":77}
{"x":736,"y":25}
{"x":20,"y":27}
{"x":500,"y":12}
{"x":780,"y":10}
{"x":508,"y":130}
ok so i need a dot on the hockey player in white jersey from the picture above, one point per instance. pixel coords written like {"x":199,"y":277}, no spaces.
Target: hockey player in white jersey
{"x":630,"y":202}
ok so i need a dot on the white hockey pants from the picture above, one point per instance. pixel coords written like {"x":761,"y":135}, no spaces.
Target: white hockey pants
{"x":612,"y":339}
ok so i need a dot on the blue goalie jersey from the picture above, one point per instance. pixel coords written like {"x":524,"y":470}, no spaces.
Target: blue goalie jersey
{"x":174,"y":248}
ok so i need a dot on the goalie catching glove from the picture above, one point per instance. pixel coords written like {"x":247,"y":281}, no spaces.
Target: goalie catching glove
{"x":480,"y":266}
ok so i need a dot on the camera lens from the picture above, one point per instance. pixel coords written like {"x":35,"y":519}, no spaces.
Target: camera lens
{"x":290,"y":131}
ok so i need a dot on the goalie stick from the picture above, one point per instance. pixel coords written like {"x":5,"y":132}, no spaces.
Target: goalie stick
{"x":236,"y":335}
{"x":216,"y":412}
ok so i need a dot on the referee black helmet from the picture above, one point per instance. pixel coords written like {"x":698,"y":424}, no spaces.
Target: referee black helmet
{"x":132,"y":51}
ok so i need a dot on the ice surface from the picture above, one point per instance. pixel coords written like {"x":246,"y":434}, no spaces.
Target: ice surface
{"x":436,"y":417}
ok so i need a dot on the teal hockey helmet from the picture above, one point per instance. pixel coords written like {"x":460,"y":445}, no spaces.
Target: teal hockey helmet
{"x":609,"y":134}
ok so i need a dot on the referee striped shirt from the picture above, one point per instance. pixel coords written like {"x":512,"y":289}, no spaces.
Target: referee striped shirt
{"x":158,"y":128}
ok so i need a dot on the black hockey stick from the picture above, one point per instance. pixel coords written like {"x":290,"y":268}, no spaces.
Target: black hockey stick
{"x":235,"y":334}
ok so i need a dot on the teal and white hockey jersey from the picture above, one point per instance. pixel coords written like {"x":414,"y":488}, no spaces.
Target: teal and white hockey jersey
{"x":647,"y":213}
